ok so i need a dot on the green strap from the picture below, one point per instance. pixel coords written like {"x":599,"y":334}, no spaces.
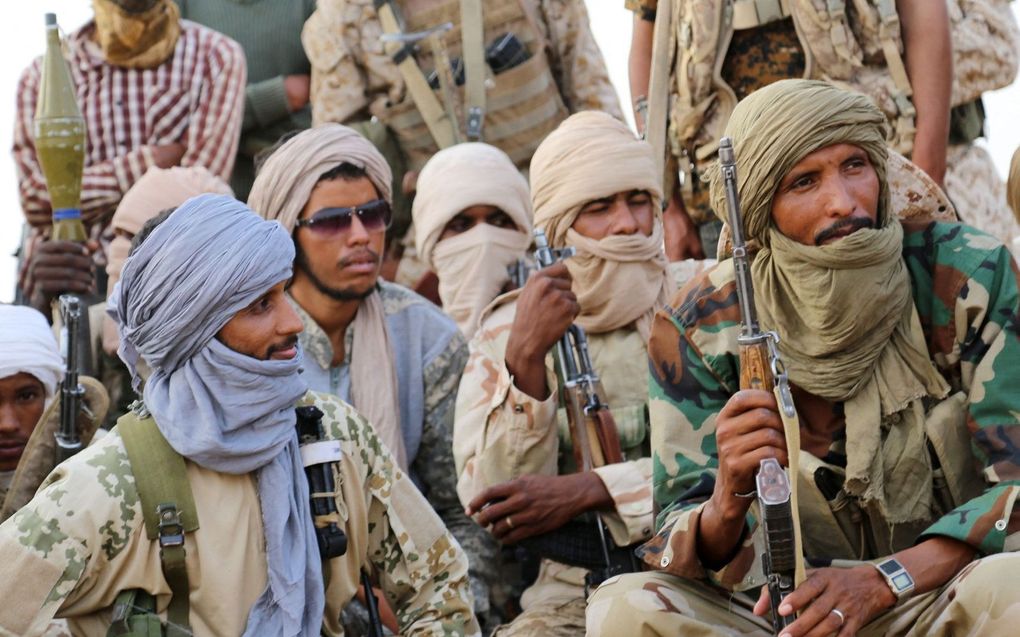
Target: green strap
{"x":168,"y":507}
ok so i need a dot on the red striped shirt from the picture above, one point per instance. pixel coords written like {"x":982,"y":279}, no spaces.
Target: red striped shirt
{"x":195,"y":98}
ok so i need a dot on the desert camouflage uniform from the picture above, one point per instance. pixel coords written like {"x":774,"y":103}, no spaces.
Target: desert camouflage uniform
{"x":430,"y":460}
{"x":965,"y":288}
{"x":985,"y":41}
{"x":353,"y":78}
{"x":81,"y":541}
{"x":502,"y":433}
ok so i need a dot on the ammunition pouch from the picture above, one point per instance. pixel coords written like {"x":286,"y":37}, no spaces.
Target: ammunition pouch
{"x":966,"y":122}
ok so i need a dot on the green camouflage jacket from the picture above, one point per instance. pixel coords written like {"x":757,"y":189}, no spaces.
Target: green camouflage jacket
{"x":81,"y":540}
{"x":965,"y":287}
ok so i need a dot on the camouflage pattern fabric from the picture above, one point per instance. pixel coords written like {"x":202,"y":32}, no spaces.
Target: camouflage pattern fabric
{"x":974,"y":185}
{"x":965,"y":287}
{"x":81,"y":540}
{"x":975,"y":602}
{"x":501,"y":433}
{"x":433,"y":464}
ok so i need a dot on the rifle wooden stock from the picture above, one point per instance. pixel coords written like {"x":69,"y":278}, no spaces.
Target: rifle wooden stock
{"x":755,"y":368}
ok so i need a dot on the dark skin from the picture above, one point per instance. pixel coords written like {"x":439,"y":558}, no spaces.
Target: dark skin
{"x":471,"y":217}
{"x":826,"y":196}
{"x":534,"y":504}
{"x":58,"y":267}
{"x":267,"y":329}
{"x":22,"y":401}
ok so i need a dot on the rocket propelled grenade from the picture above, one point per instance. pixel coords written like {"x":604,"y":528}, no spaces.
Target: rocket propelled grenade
{"x":59,"y":130}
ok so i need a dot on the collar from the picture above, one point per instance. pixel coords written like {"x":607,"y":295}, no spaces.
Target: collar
{"x":315,"y":343}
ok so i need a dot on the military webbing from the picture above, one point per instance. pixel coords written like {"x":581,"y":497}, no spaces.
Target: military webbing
{"x":168,"y":507}
{"x":441,"y":127}
{"x":749,"y":14}
{"x":888,"y":30}
{"x":473,"y":53}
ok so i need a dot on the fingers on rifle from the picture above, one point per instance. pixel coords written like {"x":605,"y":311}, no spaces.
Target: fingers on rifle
{"x":748,"y":399}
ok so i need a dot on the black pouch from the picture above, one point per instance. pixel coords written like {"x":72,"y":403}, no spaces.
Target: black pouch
{"x":966,"y":122}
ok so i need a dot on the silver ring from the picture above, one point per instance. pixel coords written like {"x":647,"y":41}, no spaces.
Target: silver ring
{"x":510,"y":523}
{"x":839,"y":613}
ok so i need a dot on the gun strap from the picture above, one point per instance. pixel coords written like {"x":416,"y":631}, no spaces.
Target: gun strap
{"x":168,"y":507}
{"x":473,"y":52}
{"x":657,"y":115}
{"x":441,"y":127}
{"x":791,"y":429}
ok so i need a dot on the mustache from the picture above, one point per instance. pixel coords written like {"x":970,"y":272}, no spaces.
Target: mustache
{"x":360,"y":255}
{"x":854,"y":223}
{"x":287,"y":343}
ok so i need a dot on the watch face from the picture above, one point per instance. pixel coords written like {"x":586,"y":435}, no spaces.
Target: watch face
{"x":890,"y":567}
{"x":902,"y":581}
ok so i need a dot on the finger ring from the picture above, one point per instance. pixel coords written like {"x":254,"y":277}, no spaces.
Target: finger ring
{"x":839,"y":613}
{"x":510,"y":523}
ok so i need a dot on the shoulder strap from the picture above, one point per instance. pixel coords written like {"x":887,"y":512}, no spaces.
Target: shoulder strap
{"x":473,"y":47}
{"x":168,"y":507}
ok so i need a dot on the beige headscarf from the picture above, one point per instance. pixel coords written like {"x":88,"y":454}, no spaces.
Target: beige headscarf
{"x":157,"y":190}
{"x":137,"y":40}
{"x":1013,"y":185}
{"x":281,"y":189}
{"x":618,"y":280}
{"x":872,"y":356}
{"x":472,"y":267}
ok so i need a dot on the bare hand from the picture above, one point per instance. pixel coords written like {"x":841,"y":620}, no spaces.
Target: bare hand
{"x":57,"y":267}
{"x":534,"y":504}
{"x":545,"y":309}
{"x":859,"y":593}
{"x":681,"y":235}
{"x":168,"y":155}
{"x":297,"y":89}
{"x":747,"y":430}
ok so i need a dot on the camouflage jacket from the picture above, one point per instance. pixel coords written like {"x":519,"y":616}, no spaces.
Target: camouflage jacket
{"x":965,"y":287}
{"x":430,"y":354}
{"x":81,"y":540}
{"x":501,"y":433}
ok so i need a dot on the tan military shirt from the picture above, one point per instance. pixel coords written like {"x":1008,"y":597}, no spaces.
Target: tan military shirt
{"x":501,"y":433}
{"x":353,"y":78}
{"x":81,"y":541}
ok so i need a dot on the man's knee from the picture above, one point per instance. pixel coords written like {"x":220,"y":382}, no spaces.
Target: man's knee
{"x":986,"y":590}
{"x":628,"y":605}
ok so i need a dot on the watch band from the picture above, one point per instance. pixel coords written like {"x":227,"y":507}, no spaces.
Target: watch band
{"x":896,"y":576}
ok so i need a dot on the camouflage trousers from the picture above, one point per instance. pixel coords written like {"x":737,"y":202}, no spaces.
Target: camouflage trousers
{"x":981,"y":600}
{"x":979,"y":194}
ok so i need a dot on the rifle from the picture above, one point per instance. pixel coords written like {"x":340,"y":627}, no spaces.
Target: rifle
{"x":762,"y":368}
{"x":72,"y":393}
{"x":592,"y":430}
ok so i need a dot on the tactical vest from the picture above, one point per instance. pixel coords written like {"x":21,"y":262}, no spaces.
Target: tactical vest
{"x":856,"y":43}
{"x":523,"y":103}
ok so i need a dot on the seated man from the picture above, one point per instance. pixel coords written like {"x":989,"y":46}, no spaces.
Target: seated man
{"x":201,"y":303}
{"x":31,"y":370}
{"x":386,"y":350}
{"x":472,"y":222}
{"x":900,"y":340}
{"x":594,"y":188}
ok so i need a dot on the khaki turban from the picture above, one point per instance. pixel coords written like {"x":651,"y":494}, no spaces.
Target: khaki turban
{"x":619,"y":279}
{"x":281,"y":190}
{"x":462,"y":176}
{"x":777,"y":126}
{"x":1013,"y":185}
{"x":472,"y":266}
{"x":287,"y":177}
{"x":157,"y":190}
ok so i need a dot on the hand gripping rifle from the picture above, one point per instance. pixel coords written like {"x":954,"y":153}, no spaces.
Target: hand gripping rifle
{"x":762,"y":368}
{"x":72,"y":394}
{"x":595,"y":441}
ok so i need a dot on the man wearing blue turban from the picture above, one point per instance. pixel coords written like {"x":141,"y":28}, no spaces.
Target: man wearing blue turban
{"x":201,"y":303}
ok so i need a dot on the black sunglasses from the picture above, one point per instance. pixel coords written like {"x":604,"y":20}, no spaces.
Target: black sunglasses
{"x":374,"y":216}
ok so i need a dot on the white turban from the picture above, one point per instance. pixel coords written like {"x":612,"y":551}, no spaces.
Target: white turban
{"x":472,"y":266}
{"x":27,"y":345}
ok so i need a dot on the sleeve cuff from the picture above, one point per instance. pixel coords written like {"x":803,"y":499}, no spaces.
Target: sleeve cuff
{"x":267,"y":101}
{"x":629,"y":485}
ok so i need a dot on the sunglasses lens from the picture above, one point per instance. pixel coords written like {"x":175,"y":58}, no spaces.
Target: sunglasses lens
{"x":375,"y":215}
{"x":330,"y":224}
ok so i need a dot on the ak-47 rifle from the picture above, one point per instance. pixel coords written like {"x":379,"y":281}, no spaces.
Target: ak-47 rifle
{"x":762,"y":368}
{"x":72,"y":393}
{"x":596,"y":443}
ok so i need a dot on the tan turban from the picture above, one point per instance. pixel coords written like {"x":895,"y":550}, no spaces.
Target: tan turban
{"x":876,"y":361}
{"x":619,"y":279}
{"x":472,"y":267}
{"x":281,"y":189}
{"x":1013,"y":185}
{"x":157,"y":190}
{"x":137,"y":40}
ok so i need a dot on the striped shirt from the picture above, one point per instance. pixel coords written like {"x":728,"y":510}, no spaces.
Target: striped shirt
{"x":195,"y":98}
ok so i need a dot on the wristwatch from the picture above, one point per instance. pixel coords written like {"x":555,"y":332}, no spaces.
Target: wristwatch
{"x":899,"y":580}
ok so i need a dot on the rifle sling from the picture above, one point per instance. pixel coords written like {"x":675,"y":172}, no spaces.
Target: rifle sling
{"x":168,"y":507}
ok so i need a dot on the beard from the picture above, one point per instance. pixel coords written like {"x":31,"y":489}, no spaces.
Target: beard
{"x":337,"y":294}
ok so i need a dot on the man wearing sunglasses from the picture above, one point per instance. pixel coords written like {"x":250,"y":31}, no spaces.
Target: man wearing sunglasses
{"x":389,"y":352}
